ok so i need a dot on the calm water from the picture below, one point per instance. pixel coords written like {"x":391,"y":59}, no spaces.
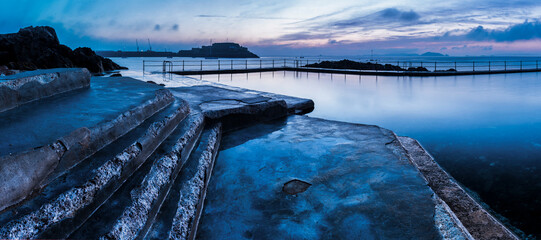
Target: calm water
{"x":484,"y":130}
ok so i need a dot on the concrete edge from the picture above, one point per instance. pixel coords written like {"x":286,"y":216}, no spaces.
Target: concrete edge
{"x":295,"y":105}
{"x":26,"y":173}
{"x":84,"y":199}
{"x":193,"y":194}
{"x":244,"y":115}
{"x":148,"y":196}
{"x":477,"y":221}
{"x":26,"y":87}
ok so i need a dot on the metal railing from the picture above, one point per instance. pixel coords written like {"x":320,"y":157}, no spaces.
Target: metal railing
{"x":245,"y":64}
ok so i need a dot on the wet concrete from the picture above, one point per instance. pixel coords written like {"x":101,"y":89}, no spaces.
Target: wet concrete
{"x":236,"y":107}
{"x":362,"y":185}
{"x":30,"y":86}
{"x":41,"y":122}
{"x":67,"y":211}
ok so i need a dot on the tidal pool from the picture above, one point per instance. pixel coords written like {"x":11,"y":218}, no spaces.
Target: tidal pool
{"x":484,"y":130}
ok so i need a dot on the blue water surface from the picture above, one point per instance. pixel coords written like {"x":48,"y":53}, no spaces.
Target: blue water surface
{"x":484,"y":129}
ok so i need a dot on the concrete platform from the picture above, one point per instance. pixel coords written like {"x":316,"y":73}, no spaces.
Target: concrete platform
{"x":361,"y":185}
{"x":41,"y":122}
{"x":236,"y":107}
{"x":30,"y":86}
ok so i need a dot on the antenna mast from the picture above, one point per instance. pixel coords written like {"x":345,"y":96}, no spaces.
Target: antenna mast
{"x":137,"y":44}
{"x":149,"y":47}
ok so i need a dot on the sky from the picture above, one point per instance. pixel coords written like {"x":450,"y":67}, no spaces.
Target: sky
{"x":290,"y":27}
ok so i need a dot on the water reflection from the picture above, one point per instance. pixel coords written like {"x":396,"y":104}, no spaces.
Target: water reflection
{"x":483,"y":129}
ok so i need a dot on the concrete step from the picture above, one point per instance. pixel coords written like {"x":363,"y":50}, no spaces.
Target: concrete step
{"x":179,"y":215}
{"x":130,"y":211}
{"x":30,"y":86}
{"x":44,"y":141}
{"x":73,"y":198}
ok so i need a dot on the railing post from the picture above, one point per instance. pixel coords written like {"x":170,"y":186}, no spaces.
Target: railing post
{"x":520,"y":65}
{"x":201,"y":65}
{"x":536,"y":64}
{"x":246,"y":64}
{"x":218,"y":65}
{"x":505,"y":65}
{"x":489,"y":66}
{"x":455,"y":67}
{"x":284,"y":62}
{"x":473,"y":66}
{"x":435,"y":64}
{"x":272,"y":63}
{"x":143,"y":66}
{"x":231,"y":64}
{"x":259,"y":63}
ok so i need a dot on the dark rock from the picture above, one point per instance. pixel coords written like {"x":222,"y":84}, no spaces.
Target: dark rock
{"x":116,"y":75}
{"x":348,"y":64}
{"x":4,"y":71}
{"x":38,"y":48}
{"x":295,"y":186}
{"x":417,"y":69}
{"x":152,"y":82}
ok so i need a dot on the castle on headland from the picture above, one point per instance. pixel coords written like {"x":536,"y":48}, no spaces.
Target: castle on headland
{"x":219,"y":50}
{"x":216,"y":50}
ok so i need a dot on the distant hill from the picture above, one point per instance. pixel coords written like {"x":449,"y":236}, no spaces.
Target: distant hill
{"x":433,"y":54}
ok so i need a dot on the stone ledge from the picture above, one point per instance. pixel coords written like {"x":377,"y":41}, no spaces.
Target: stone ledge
{"x":71,"y":208}
{"x":26,"y":173}
{"x":148,"y":196}
{"x":477,"y":221}
{"x":26,"y":87}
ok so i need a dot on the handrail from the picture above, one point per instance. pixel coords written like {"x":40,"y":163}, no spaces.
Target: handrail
{"x":239,"y":64}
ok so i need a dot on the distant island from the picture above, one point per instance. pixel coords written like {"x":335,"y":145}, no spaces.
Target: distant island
{"x":433,"y":54}
{"x":216,"y":50}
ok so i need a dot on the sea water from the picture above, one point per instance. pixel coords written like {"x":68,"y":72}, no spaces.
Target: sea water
{"x":485,"y":130}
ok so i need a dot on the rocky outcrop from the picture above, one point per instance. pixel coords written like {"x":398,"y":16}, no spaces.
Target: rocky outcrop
{"x":39,"y":48}
{"x":348,"y":64}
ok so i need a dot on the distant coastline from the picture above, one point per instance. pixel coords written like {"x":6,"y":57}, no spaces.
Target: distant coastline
{"x":216,"y":50}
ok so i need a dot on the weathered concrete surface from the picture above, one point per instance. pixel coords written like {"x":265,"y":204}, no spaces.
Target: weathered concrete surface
{"x":26,"y":87}
{"x":42,"y":122}
{"x":479,"y":223}
{"x":194,"y":181}
{"x":147,"y":198}
{"x":59,"y":217}
{"x":27,"y":172}
{"x":362,"y":185}
{"x":236,"y":107}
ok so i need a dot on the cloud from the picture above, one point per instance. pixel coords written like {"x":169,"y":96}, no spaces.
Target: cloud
{"x":389,"y":17}
{"x":395,"y":14}
{"x":157,"y":27}
{"x":522,"y":31}
{"x":304,"y":36}
{"x":210,"y":16}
